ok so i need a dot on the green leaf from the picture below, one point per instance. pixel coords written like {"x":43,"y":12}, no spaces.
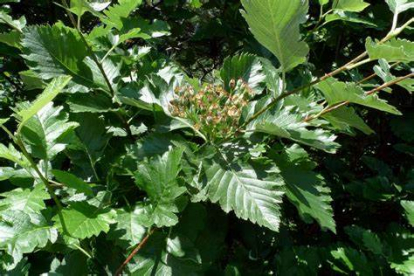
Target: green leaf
{"x":291,"y":126}
{"x":337,"y":92}
{"x":275,"y":24}
{"x":365,"y":239}
{"x":383,"y":70}
{"x":3,"y":121}
{"x":394,"y":50}
{"x":323,"y":2}
{"x":18,"y":24}
{"x":84,"y":221}
{"x":409,"y":210}
{"x":399,"y":6}
{"x":22,"y":233}
{"x":56,"y":50}
{"x":74,"y":263}
{"x":48,"y":132}
{"x":79,"y":7}
{"x":52,"y":51}
{"x":246,"y":67}
{"x":349,"y":17}
{"x":155,"y":260}
{"x":116,"y":14}
{"x":304,"y":188}
{"x":26,"y":200}
{"x":74,"y":182}
{"x":11,"y":38}
{"x":344,"y":118}
{"x":11,"y":173}
{"x":93,"y":103}
{"x":93,"y":140}
{"x":10,"y":153}
{"x":348,"y":260}
{"x":253,"y":192}
{"x":159,"y":179}
{"x":129,"y":229}
{"x":349,"y":5}
{"x":51,"y":91}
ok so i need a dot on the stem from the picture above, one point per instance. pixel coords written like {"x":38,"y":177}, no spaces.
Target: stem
{"x":97,"y":62}
{"x":296,"y":90}
{"x":375,"y":90}
{"x":375,"y":74}
{"x":83,"y":251}
{"x":350,"y":65}
{"x":19,"y":143}
{"x":134,"y":252}
{"x":107,"y":53}
{"x":394,"y":22}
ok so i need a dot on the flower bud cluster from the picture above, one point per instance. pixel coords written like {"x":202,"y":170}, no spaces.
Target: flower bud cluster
{"x":214,"y":111}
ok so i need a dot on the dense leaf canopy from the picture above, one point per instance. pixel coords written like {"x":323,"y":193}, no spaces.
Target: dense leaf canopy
{"x":206,"y":137}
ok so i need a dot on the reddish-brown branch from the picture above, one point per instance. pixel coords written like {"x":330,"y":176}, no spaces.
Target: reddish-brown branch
{"x":134,"y":252}
{"x":375,"y":90}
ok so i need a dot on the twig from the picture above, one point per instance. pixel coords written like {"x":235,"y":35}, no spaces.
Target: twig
{"x":375,"y":74}
{"x":49,"y":187}
{"x":375,"y":90}
{"x":134,"y":252}
{"x":350,"y":65}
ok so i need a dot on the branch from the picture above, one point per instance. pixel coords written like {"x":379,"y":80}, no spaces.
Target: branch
{"x":134,"y":252}
{"x":49,"y":187}
{"x":348,"y":66}
{"x":375,"y":90}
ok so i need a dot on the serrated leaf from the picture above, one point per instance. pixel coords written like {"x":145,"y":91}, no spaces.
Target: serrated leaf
{"x":74,"y":263}
{"x":409,"y":210}
{"x":116,"y":14}
{"x":79,"y":7}
{"x":8,"y":173}
{"x":291,"y":126}
{"x":365,"y":239}
{"x":130,"y":230}
{"x":349,"y":5}
{"x":72,"y":181}
{"x":10,"y":153}
{"x":394,"y":50}
{"x":93,"y":103}
{"x":17,"y":24}
{"x":351,"y":260}
{"x":275,"y":24}
{"x":346,"y":117}
{"x":26,"y":200}
{"x":51,"y":91}
{"x":246,"y":67}
{"x":93,"y":140}
{"x":11,"y":38}
{"x":52,"y":51}
{"x":158,"y":178}
{"x":304,"y":188}
{"x":155,"y":260}
{"x":383,"y":71}
{"x":56,"y":50}
{"x":84,"y":221}
{"x":22,"y":233}
{"x":48,"y":132}
{"x":239,"y":188}
{"x":337,"y":92}
{"x":349,"y":17}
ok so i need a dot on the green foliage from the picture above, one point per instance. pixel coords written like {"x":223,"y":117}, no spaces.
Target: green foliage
{"x":275,"y":24}
{"x":253,"y":137}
